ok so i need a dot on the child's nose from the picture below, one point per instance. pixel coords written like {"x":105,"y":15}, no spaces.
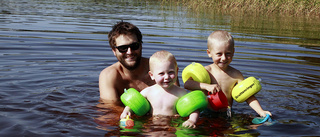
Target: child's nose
{"x":223,"y":57}
{"x":166,"y":76}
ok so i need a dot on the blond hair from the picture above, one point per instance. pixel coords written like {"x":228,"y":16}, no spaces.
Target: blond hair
{"x":219,"y":36}
{"x":161,"y":56}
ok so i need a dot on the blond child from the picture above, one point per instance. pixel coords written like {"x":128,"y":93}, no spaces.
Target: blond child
{"x":164,"y":94}
{"x":223,"y":76}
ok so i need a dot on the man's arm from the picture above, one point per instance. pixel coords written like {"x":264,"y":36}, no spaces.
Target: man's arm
{"x":107,"y":88}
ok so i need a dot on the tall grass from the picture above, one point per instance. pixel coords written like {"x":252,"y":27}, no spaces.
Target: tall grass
{"x":249,"y":7}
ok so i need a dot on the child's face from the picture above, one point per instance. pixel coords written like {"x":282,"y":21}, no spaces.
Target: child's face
{"x":221,"y":54}
{"x":164,"y":74}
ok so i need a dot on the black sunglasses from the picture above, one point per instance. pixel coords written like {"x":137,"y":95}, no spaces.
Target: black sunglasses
{"x":124,"y":48}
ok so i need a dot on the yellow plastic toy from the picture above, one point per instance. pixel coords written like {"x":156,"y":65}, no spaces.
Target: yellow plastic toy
{"x":126,"y":122}
{"x":245,"y":89}
{"x":197,"y":72}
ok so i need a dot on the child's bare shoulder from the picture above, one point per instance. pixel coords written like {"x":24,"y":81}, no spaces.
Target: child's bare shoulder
{"x":147,"y":90}
{"x":209,"y":68}
{"x":235,"y":73}
{"x":178,"y":91}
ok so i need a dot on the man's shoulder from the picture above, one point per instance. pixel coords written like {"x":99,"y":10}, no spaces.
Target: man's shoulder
{"x":112,"y":72}
{"x":112,"y":68}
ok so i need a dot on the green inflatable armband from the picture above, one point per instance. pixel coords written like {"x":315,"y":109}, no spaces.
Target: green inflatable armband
{"x":137,"y":103}
{"x":194,"y":100}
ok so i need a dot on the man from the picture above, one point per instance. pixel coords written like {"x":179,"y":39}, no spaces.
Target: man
{"x":131,"y":70}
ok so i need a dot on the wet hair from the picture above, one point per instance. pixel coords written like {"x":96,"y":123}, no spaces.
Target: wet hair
{"x":220,"y":36}
{"x":123,"y":28}
{"x":161,"y":56}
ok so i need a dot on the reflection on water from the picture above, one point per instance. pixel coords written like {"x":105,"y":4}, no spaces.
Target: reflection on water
{"x":52,"y":53}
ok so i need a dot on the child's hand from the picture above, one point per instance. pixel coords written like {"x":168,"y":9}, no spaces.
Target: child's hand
{"x":189,"y":124}
{"x":124,"y":114}
{"x":264,"y":113}
{"x":213,"y":88}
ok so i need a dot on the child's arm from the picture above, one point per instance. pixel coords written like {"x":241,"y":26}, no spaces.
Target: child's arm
{"x":193,"y":118}
{"x":194,"y":85}
{"x":126,"y":111}
{"x":255,"y":105}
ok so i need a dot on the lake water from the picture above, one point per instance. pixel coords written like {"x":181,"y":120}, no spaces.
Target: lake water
{"x":53,"y":51}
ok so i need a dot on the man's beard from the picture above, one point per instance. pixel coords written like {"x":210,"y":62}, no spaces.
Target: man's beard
{"x":131,"y":67}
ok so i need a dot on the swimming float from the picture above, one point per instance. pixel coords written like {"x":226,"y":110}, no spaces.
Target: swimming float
{"x":126,"y":122}
{"x":245,"y":89}
{"x":194,"y":100}
{"x":137,"y":103}
{"x":197,"y":72}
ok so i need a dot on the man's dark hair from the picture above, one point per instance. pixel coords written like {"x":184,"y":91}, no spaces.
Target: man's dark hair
{"x":123,"y":28}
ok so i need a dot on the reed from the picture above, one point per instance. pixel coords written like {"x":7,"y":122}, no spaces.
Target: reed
{"x":249,"y":7}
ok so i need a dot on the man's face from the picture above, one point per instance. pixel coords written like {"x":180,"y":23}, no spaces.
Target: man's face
{"x":130,"y":58}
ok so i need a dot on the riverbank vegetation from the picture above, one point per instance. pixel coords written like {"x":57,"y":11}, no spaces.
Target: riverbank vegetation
{"x":310,"y":8}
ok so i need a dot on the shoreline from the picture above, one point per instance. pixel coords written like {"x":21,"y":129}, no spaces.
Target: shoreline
{"x":254,"y":7}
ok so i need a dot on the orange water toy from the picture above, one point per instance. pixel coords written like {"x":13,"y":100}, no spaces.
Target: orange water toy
{"x":218,"y":101}
{"x":197,"y":72}
{"x":126,"y":122}
{"x":194,"y":100}
{"x":137,"y":103}
{"x":245,"y":89}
